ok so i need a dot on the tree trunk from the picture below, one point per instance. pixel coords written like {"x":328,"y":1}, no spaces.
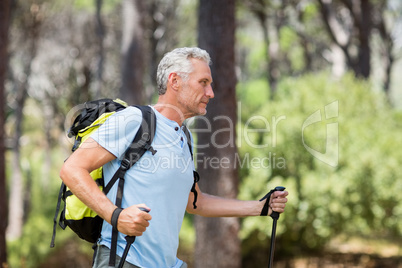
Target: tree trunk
{"x":16,"y":202}
{"x":217,"y":243}
{"x":161,"y":24}
{"x":100,"y":33}
{"x":4,"y":25}
{"x":132,"y":52}
{"x":273,"y":59}
{"x":347,"y":37}
{"x":16,"y":209}
{"x":364,"y":26}
{"x":387,"y":51}
{"x":340,"y":36}
{"x":48,"y":114}
{"x":270,"y":26}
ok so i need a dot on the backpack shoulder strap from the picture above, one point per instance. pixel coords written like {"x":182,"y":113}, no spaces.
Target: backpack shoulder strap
{"x":141,"y":143}
{"x":144,"y":136}
{"x":188,"y":136}
{"x":195,"y":173}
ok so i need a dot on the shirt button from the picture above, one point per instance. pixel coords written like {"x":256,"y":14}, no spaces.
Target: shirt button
{"x":176,"y":128}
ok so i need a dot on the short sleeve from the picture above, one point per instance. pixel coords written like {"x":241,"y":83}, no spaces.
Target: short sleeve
{"x":119,"y":130}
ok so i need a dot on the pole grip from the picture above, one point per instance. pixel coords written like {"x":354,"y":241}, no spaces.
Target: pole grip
{"x":275,"y":215}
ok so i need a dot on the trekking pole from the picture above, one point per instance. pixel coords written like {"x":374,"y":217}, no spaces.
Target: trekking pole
{"x":275,"y":217}
{"x":130,"y":240}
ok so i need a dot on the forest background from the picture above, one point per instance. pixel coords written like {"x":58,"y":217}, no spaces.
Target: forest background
{"x":311,"y":90}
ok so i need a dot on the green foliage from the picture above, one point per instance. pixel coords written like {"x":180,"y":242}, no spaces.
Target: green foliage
{"x":187,"y":32}
{"x":33,"y":246}
{"x":40,"y":167}
{"x":289,"y":43}
{"x":357,"y":196}
{"x":253,"y":95}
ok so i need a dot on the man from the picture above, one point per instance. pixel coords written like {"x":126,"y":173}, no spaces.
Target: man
{"x":160,"y":183}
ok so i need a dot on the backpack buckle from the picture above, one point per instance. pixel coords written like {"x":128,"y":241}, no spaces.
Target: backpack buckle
{"x":150,"y":148}
{"x":125,"y":164}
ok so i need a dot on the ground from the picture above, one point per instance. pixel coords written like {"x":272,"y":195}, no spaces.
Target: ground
{"x":69,"y":255}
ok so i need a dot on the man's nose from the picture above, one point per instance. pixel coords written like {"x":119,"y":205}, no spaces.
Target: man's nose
{"x":210,"y":92}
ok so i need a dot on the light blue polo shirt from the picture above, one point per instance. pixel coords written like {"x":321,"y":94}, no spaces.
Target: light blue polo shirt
{"x":162,"y":181}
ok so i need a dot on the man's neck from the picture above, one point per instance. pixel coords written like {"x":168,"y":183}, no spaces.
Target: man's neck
{"x":169,"y":110}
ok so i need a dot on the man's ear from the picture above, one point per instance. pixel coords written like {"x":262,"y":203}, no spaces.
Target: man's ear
{"x":174,"y":81}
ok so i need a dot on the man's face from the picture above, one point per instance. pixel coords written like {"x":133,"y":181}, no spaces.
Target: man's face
{"x":197,"y":90}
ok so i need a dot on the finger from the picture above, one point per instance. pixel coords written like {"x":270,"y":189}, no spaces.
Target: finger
{"x":279,"y":210}
{"x":143,"y":206}
{"x":141,"y":223}
{"x":144,"y":214}
{"x":137,"y":233}
{"x":279,"y":200}
{"x":137,"y":228}
{"x":280,"y":207}
{"x":142,"y":219}
{"x":277,"y":194}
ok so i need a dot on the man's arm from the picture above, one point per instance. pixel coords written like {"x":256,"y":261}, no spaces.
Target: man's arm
{"x":75,"y":174}
{"x":214,"y":206}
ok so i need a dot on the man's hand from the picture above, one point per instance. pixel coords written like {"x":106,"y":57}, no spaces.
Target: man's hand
{"x":133,"y":221}
{"x":278,"y":201}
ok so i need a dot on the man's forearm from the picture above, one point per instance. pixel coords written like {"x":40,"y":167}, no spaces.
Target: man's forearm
{"x":84,"y":187}
{"x":214,"y":206}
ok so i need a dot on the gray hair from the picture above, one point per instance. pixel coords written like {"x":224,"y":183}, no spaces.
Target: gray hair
{"x":178,"y":61}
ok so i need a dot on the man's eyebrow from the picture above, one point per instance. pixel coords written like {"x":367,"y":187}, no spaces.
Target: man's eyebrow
{"x":206,"y":79}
